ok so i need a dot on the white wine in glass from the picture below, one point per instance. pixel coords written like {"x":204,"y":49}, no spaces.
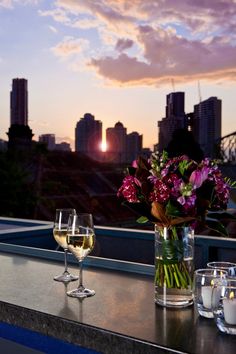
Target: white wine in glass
{"x":60,"y":233}
{"x":80,"y":240}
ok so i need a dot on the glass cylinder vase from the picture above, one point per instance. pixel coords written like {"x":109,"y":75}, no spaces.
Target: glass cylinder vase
{"x":174,"y":266}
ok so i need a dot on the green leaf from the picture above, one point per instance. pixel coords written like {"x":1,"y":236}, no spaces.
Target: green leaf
{"x":183,"y":166}
{"x":142,"y":220}
{"x":173,"y":251}
{"x":171,"y":210}
{"x":164,"y":156}
{"x":229,"y":181}
{"x":217,"y":226}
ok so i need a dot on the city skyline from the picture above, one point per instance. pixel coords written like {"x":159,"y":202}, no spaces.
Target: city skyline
{"x":88,"y":130}
{"x":116,"y":60}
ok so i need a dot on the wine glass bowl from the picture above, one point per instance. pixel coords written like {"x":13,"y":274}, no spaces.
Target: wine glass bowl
{"x":81,"y":244}
{"x":80,"y":241}
{"x":60,"y":234}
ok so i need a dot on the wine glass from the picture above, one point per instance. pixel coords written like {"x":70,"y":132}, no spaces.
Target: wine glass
{"x":80,"y":240}
{"x":59,"y":233}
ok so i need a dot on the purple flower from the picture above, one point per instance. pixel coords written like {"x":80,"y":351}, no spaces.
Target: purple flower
{"x":221,"y":194}
{"x":199,"y":176}
{"x":174,"y":184}
{"x":188,"y":203}
{"x":181,"y":200}
{"x":152,"y":179}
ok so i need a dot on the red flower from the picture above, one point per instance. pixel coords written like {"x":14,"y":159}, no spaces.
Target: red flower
{"x":129,"y":189}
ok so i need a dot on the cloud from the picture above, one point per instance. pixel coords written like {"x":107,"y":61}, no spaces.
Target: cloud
{"x":185,"y":39}
{"x":6,"y":3}
{"x":123,"y":44}
{"x":57,"y":14}
{"x":86,"y":23}
{"x":69,"y":46}
{"x":9,"y":4}
{"x":169,"y":56}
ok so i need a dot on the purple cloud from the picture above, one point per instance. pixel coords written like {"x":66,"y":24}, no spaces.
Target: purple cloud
{"x":123,"y":44}
{"x":187,"y":40}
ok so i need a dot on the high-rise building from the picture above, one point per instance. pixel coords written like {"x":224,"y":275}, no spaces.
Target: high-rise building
{"x":123,"y":147}
{"x":19,"y":102}
{"x":175,"y":104}
{"x":19,"y":134}
{"x":207,"y":125}
{"x":175,"y":118}
{"x":116,"y":139}
{"x":49,"y":140}
{"x":134,"y":146}
{"x":63,"y":146}
{"x":88,"y":136}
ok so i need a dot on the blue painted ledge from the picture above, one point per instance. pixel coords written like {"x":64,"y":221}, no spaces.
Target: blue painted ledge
{"x":39,"y":341}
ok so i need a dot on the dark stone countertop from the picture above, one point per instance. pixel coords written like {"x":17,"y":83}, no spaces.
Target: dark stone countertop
{"x":121,"y":318}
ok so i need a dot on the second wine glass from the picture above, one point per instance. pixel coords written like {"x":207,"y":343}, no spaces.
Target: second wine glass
{"x":80,"y":240}
{"x":59,"y":233}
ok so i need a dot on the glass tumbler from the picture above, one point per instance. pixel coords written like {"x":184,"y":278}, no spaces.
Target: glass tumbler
{"x":229,"y":267}
{"x":225,"y":310}
{"x":205,"y":281}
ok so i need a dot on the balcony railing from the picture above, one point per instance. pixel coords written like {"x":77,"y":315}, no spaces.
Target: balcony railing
{"x":116,"y":248}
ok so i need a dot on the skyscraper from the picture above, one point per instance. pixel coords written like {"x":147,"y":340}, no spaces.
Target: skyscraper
{"x":134,"y":145}
{"x":175,"y":118}
{"x":123,"y":147}
{"x":19,"y":102}
{"x":116,"y":139}
{"x":207,"y":125}
{"x":19,"y":134}
{"x":49,"y":140}
{"x":88,"y":135}
{"x":175,"y":104}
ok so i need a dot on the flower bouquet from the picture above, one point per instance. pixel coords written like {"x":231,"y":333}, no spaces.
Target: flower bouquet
{"x":176,"y":194}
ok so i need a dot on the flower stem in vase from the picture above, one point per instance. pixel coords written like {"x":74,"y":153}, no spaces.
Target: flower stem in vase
{"x":174,"y":266}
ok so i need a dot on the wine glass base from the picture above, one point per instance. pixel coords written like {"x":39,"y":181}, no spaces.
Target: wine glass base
{"x":81,"y":293}
{"x":66,"y":277}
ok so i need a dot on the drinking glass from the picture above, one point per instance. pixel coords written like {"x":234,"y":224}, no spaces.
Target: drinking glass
{"x":225,"y":310}
{"x":80,"y":240}
{"x":59,"y":233}
{"x":229,"y":267}
{"x":205,"y":281}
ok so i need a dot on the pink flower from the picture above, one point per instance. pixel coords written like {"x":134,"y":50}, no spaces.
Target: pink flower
{"x":199,"y":176}
{"x":180,"y":186}
{"x":188,"y":204}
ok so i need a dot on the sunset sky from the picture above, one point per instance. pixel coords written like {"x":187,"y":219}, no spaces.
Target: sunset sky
{"x":116,"y":59}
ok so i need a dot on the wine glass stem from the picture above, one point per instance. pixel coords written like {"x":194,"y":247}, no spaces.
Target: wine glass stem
{"x":80,"y":274}
{"x":65,"y":257}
